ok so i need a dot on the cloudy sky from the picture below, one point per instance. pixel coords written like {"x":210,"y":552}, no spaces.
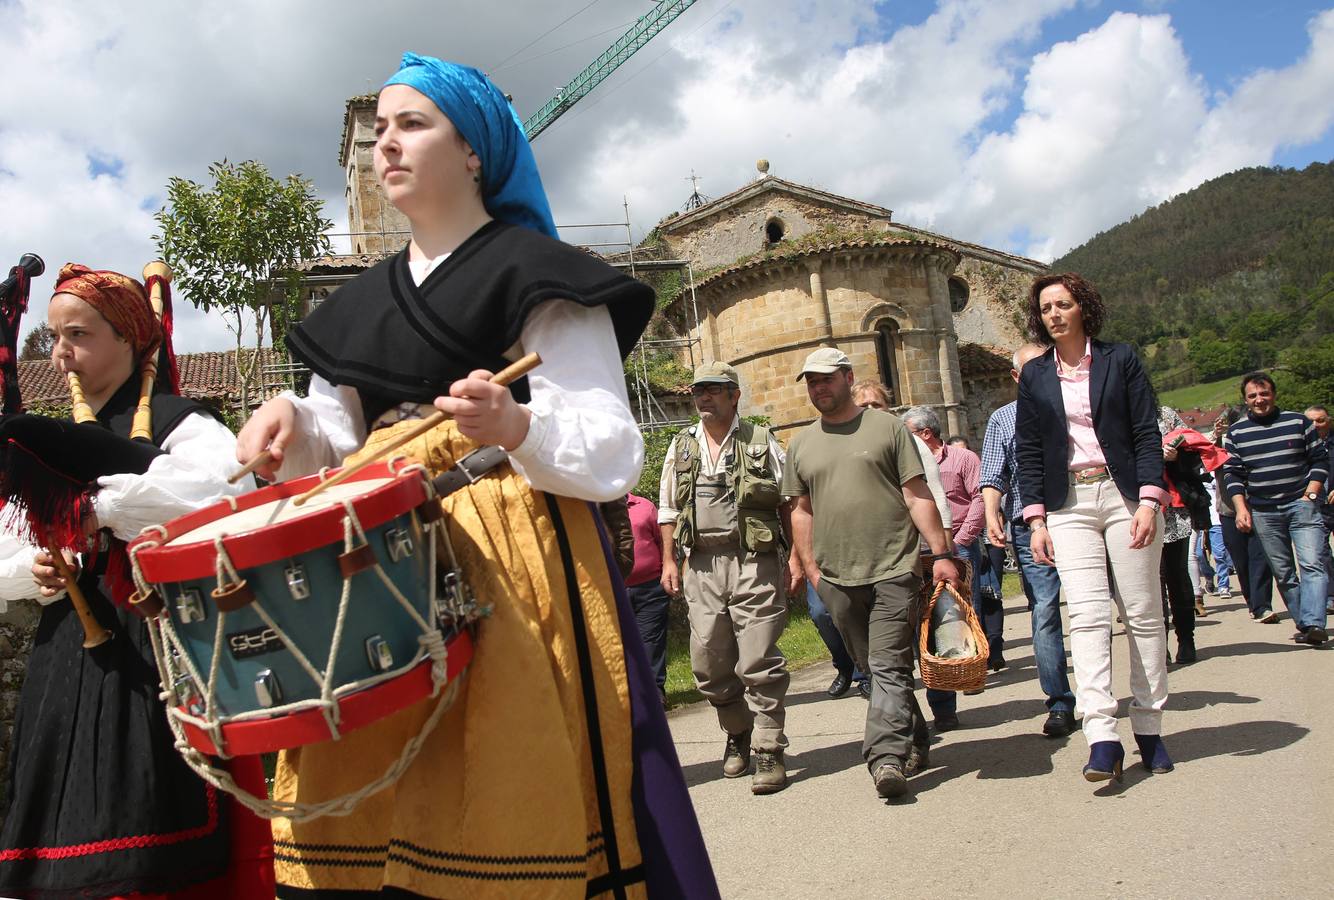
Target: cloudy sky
{"x":1028,"y":125}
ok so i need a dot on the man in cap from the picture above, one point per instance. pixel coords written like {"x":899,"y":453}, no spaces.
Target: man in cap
{"x":720,"y":510}
{"x":861,"y":507}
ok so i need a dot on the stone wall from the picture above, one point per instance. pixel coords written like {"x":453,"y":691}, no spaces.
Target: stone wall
{"x":368,"y":209}
{"x":996,"y":295}
{"x":16,"y":630}
{"x":765,"y":319}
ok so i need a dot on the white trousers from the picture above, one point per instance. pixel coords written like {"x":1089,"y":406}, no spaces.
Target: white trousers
{"x":1092,"y":530}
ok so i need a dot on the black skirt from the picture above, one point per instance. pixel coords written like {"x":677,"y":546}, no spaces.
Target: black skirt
{"x":101,"y":802}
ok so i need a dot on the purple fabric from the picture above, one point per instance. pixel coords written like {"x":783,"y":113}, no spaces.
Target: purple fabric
{"x":676,"y":862}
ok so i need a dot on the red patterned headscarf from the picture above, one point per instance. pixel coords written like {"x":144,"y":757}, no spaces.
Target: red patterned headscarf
{"x":121,"y":300}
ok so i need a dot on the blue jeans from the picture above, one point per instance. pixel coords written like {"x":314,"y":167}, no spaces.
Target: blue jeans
{"x":1042,"y":586}
{"x":1216,"y":546}
{"x":824,"y":623}
{"x":1296,"y":526}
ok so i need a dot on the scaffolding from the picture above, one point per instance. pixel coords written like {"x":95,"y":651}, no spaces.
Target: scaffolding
{"x":649,"y":411}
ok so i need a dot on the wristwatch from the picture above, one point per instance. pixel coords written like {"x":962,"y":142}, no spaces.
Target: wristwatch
{"x":1313,"y":496}
{"x":1151,"y":504}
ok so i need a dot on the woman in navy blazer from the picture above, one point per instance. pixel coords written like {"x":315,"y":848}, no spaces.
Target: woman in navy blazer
{"x":1090,"y":465}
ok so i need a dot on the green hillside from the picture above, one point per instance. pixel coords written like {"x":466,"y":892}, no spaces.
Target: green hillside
{"x":1237,"y":274}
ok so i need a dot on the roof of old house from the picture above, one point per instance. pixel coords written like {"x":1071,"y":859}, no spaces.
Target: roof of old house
{"x":766,"y":185}
{"x":983,"y":360}
{"x":204,"y":376}
{"x":784,"y":253}
{"x":339,"y":264}
{"x":1202,"y":418}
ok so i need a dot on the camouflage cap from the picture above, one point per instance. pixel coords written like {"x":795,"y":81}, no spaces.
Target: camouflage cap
{"x":715,"y":373}
{"x":823,"y":361}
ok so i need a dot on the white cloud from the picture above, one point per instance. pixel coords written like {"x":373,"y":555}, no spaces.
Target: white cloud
{"x":963,"y":123}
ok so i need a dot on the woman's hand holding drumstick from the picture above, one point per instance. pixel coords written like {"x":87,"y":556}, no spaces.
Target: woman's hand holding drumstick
{"x":492,"y":413}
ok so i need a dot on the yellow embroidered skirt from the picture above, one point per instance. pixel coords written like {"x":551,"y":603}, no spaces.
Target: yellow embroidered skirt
{"x":505,"y":797}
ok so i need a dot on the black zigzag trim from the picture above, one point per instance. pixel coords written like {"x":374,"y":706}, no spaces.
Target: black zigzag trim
{"x":537,"y":875}
{"x":332,"y":848}
{"x":574,"y":859}
{"x":330,"y":861}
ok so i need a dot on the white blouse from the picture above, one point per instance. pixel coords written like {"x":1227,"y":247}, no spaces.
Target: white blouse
{"x":582,"y":440}
{"x":192,"y":473}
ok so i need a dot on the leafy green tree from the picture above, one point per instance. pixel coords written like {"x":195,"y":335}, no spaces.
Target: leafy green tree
{"x":38,"y":344}
{"x":1213,"y":359}
{"x":235,"y":248}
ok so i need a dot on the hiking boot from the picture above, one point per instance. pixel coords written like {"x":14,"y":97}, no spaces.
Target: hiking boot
{"x":736,"y":755}
{"x":770,"y":774}
{"x":919,"y":758}
{"x":889,"y":781}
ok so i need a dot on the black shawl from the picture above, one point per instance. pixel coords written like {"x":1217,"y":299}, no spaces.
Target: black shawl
{"x":396,"y":342}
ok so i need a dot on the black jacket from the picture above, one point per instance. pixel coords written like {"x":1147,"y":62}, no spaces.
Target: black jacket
{"x":1125,"y":420}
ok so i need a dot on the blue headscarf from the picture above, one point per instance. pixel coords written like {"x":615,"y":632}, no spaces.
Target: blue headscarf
{"x":511,"y":188}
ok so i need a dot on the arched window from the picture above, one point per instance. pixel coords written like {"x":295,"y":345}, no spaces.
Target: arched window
{"x":774,"y":230}
{"x":889,"y":349}
{"x":958,"y":294}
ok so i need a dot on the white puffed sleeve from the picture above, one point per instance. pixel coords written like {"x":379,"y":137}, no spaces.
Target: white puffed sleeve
{"x":582,"y":442}
{"x":329,"y":427}
{"x":16,"y":559}
{"x":200,"y":456}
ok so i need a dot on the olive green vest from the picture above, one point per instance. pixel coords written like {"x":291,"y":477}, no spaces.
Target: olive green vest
{"x":755,"y":489}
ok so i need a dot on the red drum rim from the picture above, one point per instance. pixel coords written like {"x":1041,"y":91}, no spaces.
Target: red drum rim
{"x":270,"y":543}
{"x":357,"y":710}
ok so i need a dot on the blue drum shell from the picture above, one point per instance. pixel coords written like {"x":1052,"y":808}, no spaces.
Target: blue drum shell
{"x":250,"y":648}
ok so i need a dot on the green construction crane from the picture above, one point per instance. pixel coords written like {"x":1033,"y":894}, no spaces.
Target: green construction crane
{"x":643,"y":31}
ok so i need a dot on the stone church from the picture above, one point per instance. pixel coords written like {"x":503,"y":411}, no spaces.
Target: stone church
{"x":782,"y":268}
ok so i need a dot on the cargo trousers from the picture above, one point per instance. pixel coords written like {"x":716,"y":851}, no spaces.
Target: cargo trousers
{"x":737,"y":611}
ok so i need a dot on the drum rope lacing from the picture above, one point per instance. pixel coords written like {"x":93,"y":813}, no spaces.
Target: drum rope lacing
{"x":431,"y":640}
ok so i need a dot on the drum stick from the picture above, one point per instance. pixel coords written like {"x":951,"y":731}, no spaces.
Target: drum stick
{"x":506,"y":375}
{"x":262,"y":458}
{"x":93,"y":633}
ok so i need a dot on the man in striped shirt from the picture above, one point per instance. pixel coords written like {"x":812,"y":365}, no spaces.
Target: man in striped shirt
{"x":1275,"y":476}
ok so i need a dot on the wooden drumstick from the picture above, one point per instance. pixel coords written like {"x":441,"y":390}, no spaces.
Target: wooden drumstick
{"x":79,"y":408}
{"x":512,"y":372}
{"x":94,"y":634}
{"x":142,"y":428}
{"x":262,"y":458}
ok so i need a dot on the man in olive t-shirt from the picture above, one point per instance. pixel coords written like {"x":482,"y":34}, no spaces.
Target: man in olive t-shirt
{"x":861,"y":504}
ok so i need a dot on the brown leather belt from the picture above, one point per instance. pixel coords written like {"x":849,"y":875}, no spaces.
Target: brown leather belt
{"x":1091,"y":475}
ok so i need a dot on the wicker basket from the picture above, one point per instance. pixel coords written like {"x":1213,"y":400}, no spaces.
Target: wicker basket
{"x":964,"y":674}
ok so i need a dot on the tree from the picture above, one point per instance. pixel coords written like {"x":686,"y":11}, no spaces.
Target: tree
{"x":38,"y":344}
{"x":235,"y":248}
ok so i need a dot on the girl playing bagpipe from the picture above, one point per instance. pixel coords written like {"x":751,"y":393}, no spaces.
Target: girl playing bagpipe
{"x":101,"y":804}
{"x":553,"y":775}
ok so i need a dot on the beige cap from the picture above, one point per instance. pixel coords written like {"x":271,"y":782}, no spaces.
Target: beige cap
{"x":823,"y":361}
{"x":715,"y":373}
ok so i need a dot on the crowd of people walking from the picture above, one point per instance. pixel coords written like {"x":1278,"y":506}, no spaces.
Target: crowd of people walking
{"x":1103,"y":496}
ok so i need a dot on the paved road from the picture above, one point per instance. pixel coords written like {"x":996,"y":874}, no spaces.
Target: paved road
{"x":1004,"y":812}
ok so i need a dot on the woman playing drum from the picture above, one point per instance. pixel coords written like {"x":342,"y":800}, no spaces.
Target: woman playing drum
{"x":101,"y":804}
{"x":553,"y":774}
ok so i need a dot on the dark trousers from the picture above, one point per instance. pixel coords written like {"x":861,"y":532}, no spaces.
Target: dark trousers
{"x":1174,"y":571}
{"x":878,"y":625}
{"x":824,"y":624}
{"x":651,"y":603}
{"x":1252,"y":565}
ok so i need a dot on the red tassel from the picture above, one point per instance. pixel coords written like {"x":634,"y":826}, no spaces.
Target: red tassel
{"x":41,"y":504}
{"x":117,"y":578}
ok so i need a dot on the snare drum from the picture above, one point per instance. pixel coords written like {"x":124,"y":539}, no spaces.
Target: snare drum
{"x":282,"y":625}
